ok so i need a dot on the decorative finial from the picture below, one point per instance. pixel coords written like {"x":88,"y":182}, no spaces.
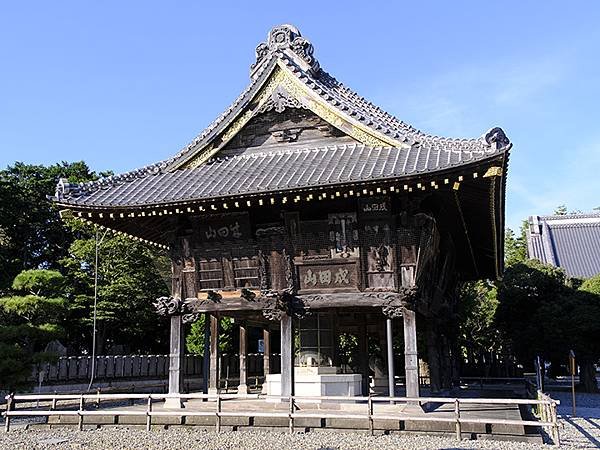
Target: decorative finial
{"x":65,"y":189}
{"x":496,"y":138}
{"x":286,"y":39}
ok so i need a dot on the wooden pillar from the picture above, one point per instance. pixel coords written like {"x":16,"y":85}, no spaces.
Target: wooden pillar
{"x":433,"y":359}
{"x":390,"y":357}
{"x":267,"y":352}
{"x":363,"y":355}
{"x":334,"y":332}
{"x":176,"y":360}
{"x":287,"y":356}
{"x":381,"y":372}
{"x":411,"y":362}
{"x":206,"y":356}
{"x":243,"y":386}
{"x":213,"y":378}
{"x":446,"y":363}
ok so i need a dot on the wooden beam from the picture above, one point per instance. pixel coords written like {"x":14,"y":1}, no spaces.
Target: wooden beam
{"x":313,"y":301}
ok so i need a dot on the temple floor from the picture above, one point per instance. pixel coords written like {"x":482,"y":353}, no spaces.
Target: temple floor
{"x":254,"y":413}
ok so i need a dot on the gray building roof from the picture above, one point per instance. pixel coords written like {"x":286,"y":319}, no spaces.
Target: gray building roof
{"x":571,"y":242}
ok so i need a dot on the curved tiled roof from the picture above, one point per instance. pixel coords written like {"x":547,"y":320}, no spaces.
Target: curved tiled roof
{"x":279,"y":171}
{"x":294,"y":53}
{"x":339,"y":97}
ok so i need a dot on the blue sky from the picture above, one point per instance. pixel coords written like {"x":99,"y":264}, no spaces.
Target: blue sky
{"x":124,"y":84}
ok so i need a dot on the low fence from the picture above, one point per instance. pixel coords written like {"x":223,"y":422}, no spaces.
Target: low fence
{"x":78,"y":368}
{"x":546,"y":404}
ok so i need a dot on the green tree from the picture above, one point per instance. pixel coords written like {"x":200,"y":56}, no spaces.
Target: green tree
{"x":195,"y":337}
{"x":29,"y":319}
{"x":591,"y":285}
{"x":587,"y":316}
{"x":525,"y":288}
{"x":478,"y":334}
{"x":541,"y":313}
{"x":131,"y":275}
{"x":515,"y":247}
{"x":561,"y":210}
{"x":32,"y":235}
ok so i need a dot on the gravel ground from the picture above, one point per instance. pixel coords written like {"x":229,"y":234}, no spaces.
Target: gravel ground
{"x":576,"y":434}
{"x":123,"y":438}
{"x":582,"y":432}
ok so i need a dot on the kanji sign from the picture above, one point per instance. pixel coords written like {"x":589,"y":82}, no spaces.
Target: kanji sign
{"x":374,"y":206}
{"x":327,"y":276}
{"x":225,"y":228}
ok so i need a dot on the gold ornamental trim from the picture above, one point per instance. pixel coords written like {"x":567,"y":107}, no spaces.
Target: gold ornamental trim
{"x":303,"y":94}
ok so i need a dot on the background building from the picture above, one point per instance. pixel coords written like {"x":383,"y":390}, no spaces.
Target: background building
{"x":568,"y":241}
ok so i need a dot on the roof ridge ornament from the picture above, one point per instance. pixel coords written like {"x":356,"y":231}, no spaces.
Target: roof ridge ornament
{"x":287,"y":39}
{"x":279,"y":100}
{"x":496,"y":138}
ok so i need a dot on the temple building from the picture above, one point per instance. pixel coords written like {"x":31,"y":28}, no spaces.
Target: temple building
{"x":568,"y":241}
{"x":309,"y":212}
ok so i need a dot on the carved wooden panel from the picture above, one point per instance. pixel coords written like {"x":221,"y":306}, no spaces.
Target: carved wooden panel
{"x":277,"y":270}
{"x":283,"y":125}
{"x":246,"y":272}
{"x":408,"y":240}
{"x":313,"y":239}
{"x":228,"y":272}
{"x":188,"y":273}
{"x":343,"y":235}
{"x":210,"y":274}
{"x":176,"y":277}
{"x":189,"y":283}
{"x":379,"y":244}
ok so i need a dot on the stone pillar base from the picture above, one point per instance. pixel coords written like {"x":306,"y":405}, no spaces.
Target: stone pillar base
{"x":413,"y":408}
{"x":379,"y":385}
{"x":173,"y":403}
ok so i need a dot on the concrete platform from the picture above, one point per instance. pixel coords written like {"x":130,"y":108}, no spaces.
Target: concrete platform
{"x":399,"y":424}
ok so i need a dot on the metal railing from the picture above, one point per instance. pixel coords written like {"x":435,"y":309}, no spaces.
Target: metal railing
{"x":546,"y":408}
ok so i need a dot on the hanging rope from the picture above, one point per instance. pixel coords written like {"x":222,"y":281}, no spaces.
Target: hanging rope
{"x":93,"y":371}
